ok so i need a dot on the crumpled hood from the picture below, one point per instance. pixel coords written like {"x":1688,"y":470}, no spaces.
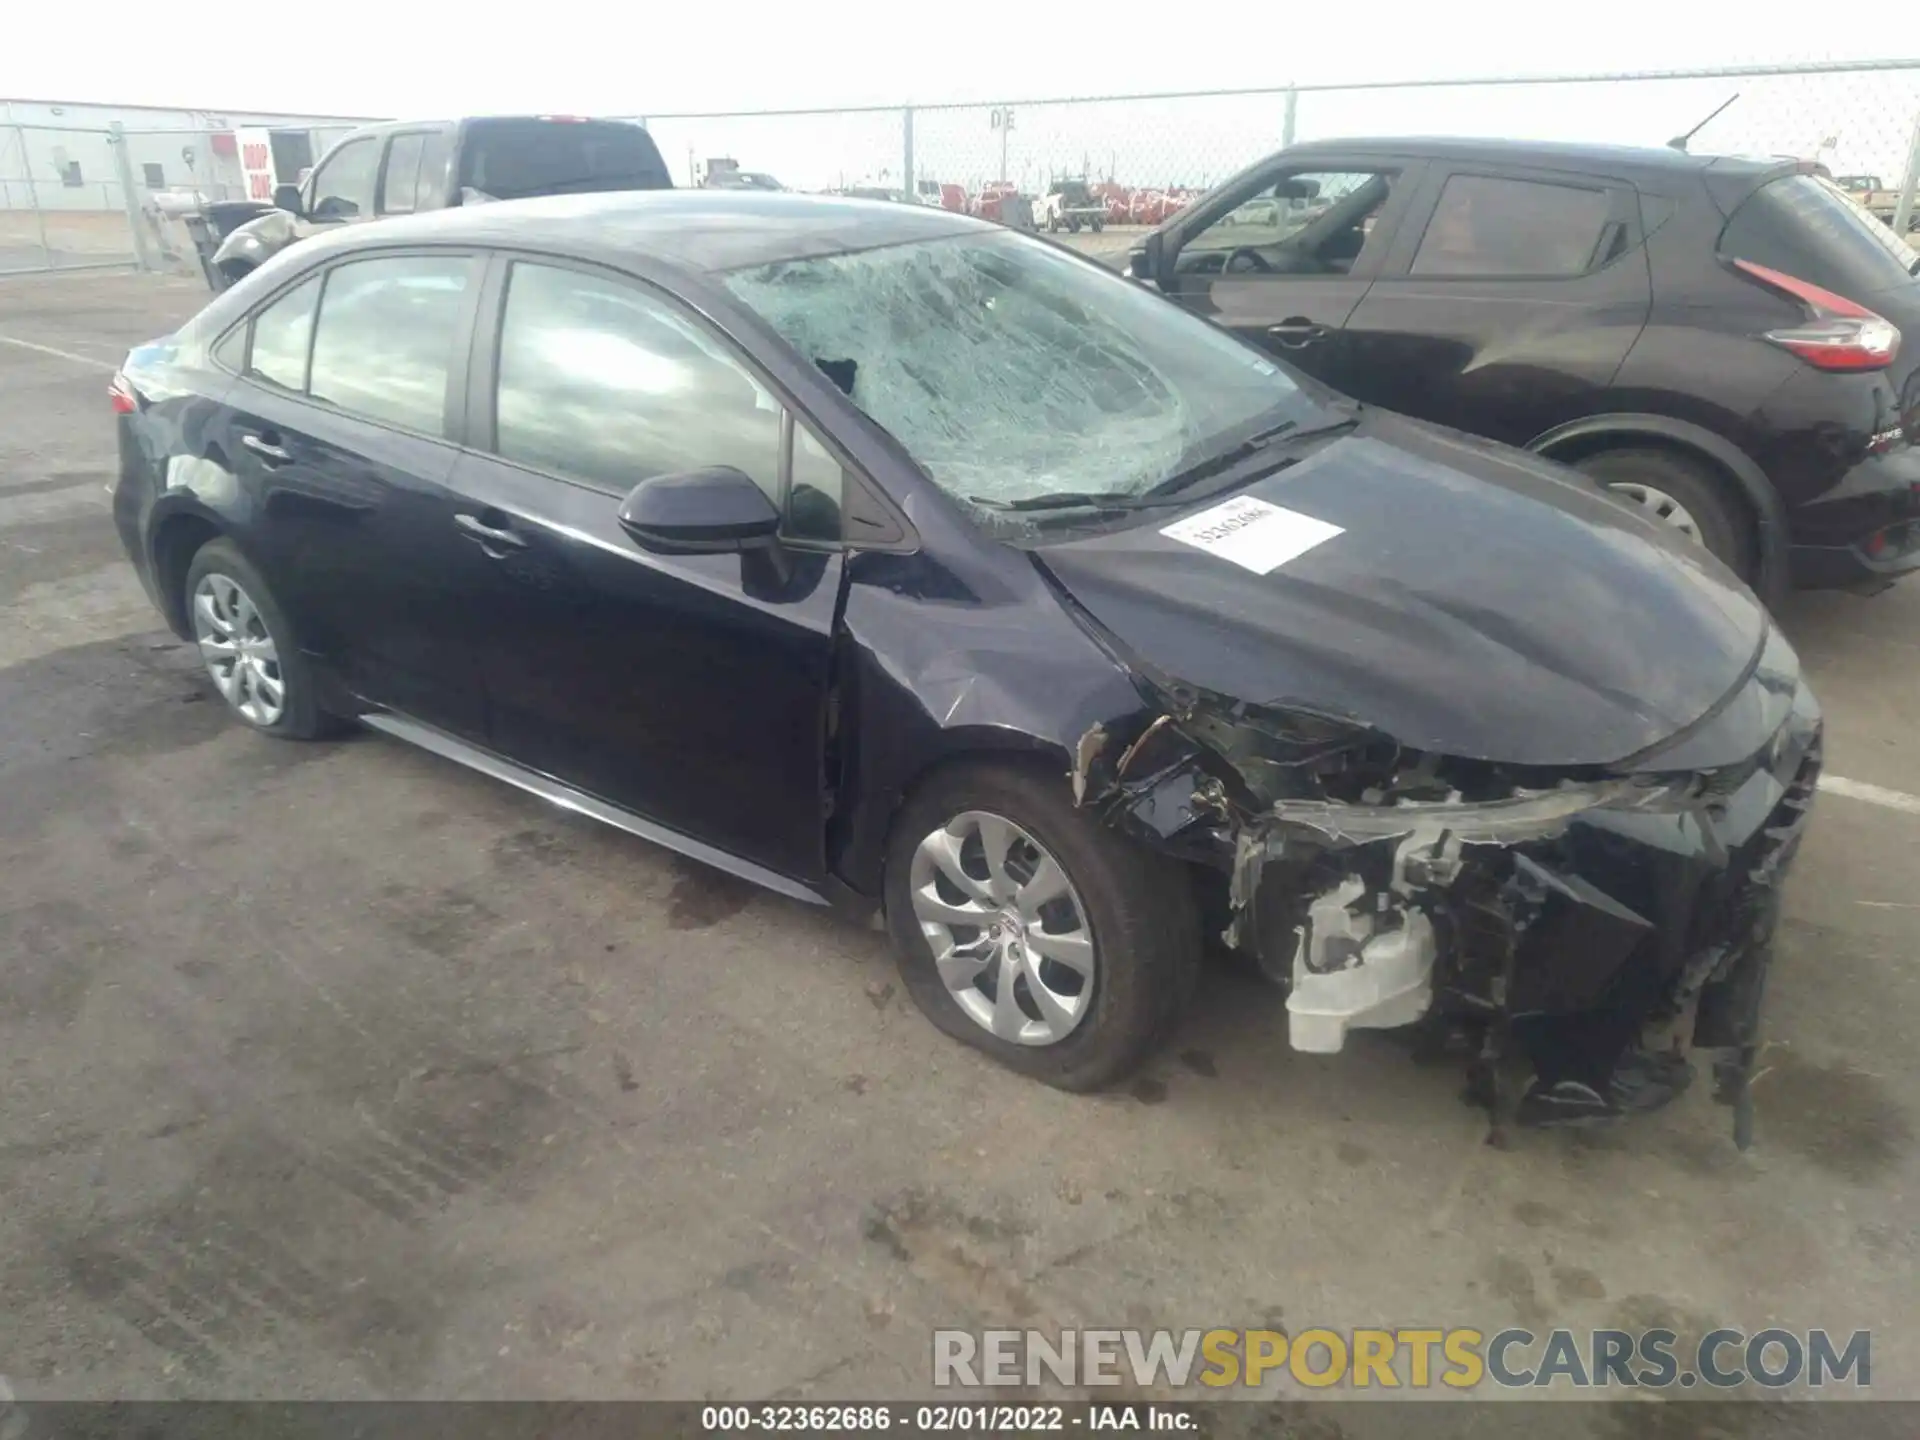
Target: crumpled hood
{"x":1477,"y":602}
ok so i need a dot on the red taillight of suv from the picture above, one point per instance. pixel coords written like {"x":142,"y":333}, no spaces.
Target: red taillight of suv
{"x":120,"y":393}
{"x":1838,"y":335}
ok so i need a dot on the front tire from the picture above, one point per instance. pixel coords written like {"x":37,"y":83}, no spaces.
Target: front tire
{"x":1681,"y":494}
{"x":248,"y":646}
{"x":1026,"y":929}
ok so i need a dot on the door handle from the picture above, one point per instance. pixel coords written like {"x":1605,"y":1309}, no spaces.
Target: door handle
{"x":1297,"y":333}
{"x":268,"y":451}
{"x":477,"y":529}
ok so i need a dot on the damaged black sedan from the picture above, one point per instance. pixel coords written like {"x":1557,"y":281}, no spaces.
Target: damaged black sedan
{"x":895,"y":560}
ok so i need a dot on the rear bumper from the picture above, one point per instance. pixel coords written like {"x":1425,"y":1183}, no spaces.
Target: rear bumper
{"x":133,"y":495}
{"x":1863,"y":533}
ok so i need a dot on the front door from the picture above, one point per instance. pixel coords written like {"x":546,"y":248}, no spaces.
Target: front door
{"x":1285,"y":258}
{"x":691,"y":689}
{"x":339,"y":424}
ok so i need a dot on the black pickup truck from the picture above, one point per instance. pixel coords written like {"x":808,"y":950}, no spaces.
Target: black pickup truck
{"x":407,"y":166}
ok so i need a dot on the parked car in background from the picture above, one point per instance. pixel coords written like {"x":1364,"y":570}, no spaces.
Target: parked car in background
{"x":1877,"y":200}
{"x":882,"y":556}
{"x":941,"y":196}
{"x":725,"y":174}
{"x":410,"y":166}
{"x":1068,"y":205}
{"x":1155,"y":207}
{"x":1719,"y":341}
{"x":1002,"y":202}
{"x":1118,"y":200}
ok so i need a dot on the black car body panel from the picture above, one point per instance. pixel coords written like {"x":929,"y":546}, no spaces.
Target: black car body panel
{"x":1657,"y":340}
{"x":1426,"y":618}
{"x":1628,"y":733}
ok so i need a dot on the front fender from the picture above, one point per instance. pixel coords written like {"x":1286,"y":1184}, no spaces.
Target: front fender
{"x":1770,"y":514}
{"x":257,"y":241}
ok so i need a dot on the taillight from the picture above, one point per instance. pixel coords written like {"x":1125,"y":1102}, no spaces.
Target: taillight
{"x":120,"y":394}
{"x":1839,"y":335}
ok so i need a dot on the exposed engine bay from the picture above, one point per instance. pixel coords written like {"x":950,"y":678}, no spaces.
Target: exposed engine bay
{"x":1586,"y":922}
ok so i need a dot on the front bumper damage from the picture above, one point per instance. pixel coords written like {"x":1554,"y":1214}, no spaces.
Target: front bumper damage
{"x":1589,"y":928}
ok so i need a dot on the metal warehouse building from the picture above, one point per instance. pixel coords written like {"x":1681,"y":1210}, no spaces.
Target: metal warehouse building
{"x":68,"y":156}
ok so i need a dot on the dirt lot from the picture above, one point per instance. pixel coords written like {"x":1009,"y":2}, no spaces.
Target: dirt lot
{"x":337,"y":1070}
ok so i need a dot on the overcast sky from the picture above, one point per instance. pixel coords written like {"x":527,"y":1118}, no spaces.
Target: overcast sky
{"x":410,"y":58}
{"x":383,"y":57}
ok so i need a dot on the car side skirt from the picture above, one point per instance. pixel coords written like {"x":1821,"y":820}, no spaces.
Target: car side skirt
{"x":568,"y":798}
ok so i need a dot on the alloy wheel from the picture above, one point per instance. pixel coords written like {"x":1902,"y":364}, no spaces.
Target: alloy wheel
{"x":1009,"y":935}
{"x":1659,"y":507}
{"x":238,"y":649}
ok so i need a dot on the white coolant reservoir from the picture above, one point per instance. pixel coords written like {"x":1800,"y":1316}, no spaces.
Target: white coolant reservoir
{"x":1367,"y":968}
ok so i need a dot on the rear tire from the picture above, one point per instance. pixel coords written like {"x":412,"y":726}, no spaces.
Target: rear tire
{"x":1134,"y":907}
{"x":1682,"y":494}
{"x":248,"y":646}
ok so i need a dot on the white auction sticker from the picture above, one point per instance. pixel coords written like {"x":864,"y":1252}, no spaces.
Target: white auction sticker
{"x":1252,"y":533}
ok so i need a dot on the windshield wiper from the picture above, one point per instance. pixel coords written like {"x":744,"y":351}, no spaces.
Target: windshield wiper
{"x":1064,"y":500}
{"x":1172,"y":490}
{"x":1211,"y":465}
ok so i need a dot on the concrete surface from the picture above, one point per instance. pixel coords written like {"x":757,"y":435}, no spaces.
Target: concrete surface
{"x":336,"y":1070}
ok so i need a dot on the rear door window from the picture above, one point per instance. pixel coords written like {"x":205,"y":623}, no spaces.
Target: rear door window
{"x":1491,"y":228}
{"x":281,"y":336}
{"x":507,"y":159}
{"x":403,"y":173}
{"x":430,"y":188}
{"x":383,"y":347}
{"x":1804,"y":226}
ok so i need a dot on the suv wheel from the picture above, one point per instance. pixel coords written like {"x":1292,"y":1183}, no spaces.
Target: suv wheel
{"x":1026,"y":929}
{"x":247,"y":645}
{"x":1682,"y":495}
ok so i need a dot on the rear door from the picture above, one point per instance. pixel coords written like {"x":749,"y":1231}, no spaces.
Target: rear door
{"x":341,"y":423}
{"x":1507,"y":303}
{"x":691,"y":689}
{"x":1286,"y":255}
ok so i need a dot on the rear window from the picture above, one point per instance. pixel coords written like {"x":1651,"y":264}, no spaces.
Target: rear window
{"x":509,"y":159}
{"x":1805,"y":226}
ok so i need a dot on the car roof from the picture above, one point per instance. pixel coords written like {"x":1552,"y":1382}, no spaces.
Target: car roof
{"x":383,"y":127}
{"x":1553,"y":155}
{"x":696,"y":230}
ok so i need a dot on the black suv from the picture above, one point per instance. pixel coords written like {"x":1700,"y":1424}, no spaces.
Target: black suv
{"x":1716,"y":339}
{"x":413,"y":165}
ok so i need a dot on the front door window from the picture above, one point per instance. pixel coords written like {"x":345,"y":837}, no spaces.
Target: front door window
{"x":1302,"y":224}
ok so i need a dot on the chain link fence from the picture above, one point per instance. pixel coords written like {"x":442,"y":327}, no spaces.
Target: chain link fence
{"x":82,"y":198}
{"x":76,"y":198}
{"x":1145,"y":155}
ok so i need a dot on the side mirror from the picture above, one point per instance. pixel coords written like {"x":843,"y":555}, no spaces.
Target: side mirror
{"x":700,"y":512}
{"x":287,"y":198}
{"x":1148,"y":263}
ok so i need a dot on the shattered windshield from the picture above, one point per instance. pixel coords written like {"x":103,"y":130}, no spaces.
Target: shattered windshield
{"x":1010,"y":371}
